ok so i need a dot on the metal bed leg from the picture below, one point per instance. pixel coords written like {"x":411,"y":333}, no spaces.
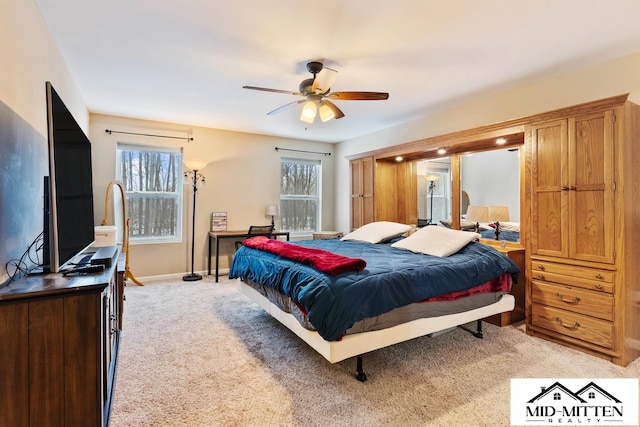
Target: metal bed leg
{"x":360,"y":375}
{"x":478,"y":333}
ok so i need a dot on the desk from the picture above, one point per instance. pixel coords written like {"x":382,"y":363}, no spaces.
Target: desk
{"x":238,"y":234}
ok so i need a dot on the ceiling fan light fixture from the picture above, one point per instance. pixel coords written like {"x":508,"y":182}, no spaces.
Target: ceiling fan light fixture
{"x":309,"y":111}
{"x":326,"y":113}
{"x":316,"y":95}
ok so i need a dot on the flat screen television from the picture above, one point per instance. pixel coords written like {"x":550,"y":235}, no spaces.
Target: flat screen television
{"x":68,"y":218}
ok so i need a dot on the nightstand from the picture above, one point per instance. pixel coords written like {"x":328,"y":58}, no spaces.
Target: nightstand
{"x":516,"y":253}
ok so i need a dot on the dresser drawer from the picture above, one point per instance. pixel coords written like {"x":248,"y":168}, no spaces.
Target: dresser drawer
{"x":584,"y":277}
{"x":595,"y":304}
{"x":573,"y":270}
{"x":585,"y":328}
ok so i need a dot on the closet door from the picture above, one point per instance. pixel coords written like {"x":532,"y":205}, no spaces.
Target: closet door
{"x":362,"y":208}
{"x":550,"y":195}
{"x":591,"y":187}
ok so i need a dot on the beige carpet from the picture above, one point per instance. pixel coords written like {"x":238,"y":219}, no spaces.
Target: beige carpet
{"x":200,"y":354}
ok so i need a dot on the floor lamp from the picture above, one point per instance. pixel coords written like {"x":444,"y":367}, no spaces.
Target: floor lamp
{"x":194,"y":177}
{"x":432,"y":178}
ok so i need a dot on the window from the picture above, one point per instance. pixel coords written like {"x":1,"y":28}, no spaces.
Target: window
{"x":556,"y":396}
{"x":152,"y":178}
{"x":300,"y":195}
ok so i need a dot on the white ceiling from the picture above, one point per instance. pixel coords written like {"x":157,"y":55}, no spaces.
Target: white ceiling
{"x":186,"y":61}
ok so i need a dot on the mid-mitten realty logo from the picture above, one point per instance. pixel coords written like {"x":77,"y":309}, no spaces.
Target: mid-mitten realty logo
{"x":574,"y":401}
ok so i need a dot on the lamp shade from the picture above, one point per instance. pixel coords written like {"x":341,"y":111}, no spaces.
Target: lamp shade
{"x":309,"y":112}
{"x":195,"y":164}
{"x":272,"y":210}
{"x":326,"y":113}
{"x":432,"y":177}
{"x":477,"y":214}
{"x":499,"y":213}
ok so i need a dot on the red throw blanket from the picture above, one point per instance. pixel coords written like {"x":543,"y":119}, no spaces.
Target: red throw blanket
{"x":325,"y":261}
{"x":501,"y":283}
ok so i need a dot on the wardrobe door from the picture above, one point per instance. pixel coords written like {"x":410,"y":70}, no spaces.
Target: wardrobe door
{"x":550,"y":191}
{"x":362,"y":208}
{"x":591,"y":184}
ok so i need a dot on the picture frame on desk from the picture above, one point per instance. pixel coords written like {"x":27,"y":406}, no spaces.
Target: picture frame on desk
{"x":218,"y":221}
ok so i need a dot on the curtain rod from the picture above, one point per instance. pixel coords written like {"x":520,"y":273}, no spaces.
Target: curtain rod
{"x":302,"y":151}
{"x":109,"y":131}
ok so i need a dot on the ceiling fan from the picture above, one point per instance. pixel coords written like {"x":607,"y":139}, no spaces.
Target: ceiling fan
{"x":318,"y":97}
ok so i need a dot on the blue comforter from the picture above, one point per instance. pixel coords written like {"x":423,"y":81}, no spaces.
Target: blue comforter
{"x":392,"y":278}
{"x":509,"y":236}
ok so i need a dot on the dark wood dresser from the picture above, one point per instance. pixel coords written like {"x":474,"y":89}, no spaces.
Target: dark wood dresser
{"x":60,"y":339}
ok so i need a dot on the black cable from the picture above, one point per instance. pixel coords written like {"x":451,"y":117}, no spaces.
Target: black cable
{"x":16,"y":267}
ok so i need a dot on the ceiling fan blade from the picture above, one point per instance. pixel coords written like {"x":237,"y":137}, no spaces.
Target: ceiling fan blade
{"x":337,"y":113}
{"x":324,"y":80}
{"x":264,"y":89}
{"x":358,"y":96}
{"x":284,"y":107}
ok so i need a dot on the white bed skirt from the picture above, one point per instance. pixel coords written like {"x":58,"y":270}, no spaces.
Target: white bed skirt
{"x":357,"y":344}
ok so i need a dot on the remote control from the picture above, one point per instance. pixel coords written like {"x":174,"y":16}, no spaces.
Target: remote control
{"x":85,"y":269}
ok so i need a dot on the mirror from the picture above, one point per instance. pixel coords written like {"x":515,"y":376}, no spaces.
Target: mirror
{"x":434,"y":190}
{"x":490,"y":185}
{"x":489,"y":191}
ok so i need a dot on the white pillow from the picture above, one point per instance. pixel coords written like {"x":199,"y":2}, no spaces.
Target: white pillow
{"x":464,"y":224}
{"x":438,"y":241}
{"x":510,"y":226}
{"x":376,"y":232}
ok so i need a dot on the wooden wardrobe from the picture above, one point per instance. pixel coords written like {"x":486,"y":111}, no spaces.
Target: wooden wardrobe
{"x":584,"y":286}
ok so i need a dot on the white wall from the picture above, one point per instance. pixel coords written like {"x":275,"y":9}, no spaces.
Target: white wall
{"x":492,"y":178}
{"x":242,"y":178}
{"x":29,"y":58}
{"x":601,"y":81}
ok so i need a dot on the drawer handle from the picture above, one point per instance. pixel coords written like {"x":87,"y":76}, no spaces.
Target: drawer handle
{"x":599,"y":276}
{"x":541,"y":267}
{"x":575,"y":300}
{"x":541,"y":276}
{"x":573,"y":327}
{"x":599,"y":286}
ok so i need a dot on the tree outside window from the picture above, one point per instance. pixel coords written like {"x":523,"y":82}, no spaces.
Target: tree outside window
{"x":152,"y":178}
{"x":300,"y":195}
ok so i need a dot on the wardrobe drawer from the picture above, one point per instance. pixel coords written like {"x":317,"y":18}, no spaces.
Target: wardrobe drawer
{"x":573,"y":270}
{"x":579,"y":281}
{"x":579,"y":326}
{"x":577,"y":300}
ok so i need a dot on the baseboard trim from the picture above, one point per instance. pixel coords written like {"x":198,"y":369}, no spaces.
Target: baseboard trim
{"x":174,"y":276}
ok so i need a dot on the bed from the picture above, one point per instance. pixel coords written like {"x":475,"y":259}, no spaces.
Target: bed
{"x":509,"y":231}
{"x":389,"y":291}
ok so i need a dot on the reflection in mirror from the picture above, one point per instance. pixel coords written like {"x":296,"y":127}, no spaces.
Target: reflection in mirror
{"x":491,"y":179}
{"x":434,"y":190}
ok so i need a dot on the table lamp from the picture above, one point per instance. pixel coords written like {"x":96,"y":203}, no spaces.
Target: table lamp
{"x":272,"y":211}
